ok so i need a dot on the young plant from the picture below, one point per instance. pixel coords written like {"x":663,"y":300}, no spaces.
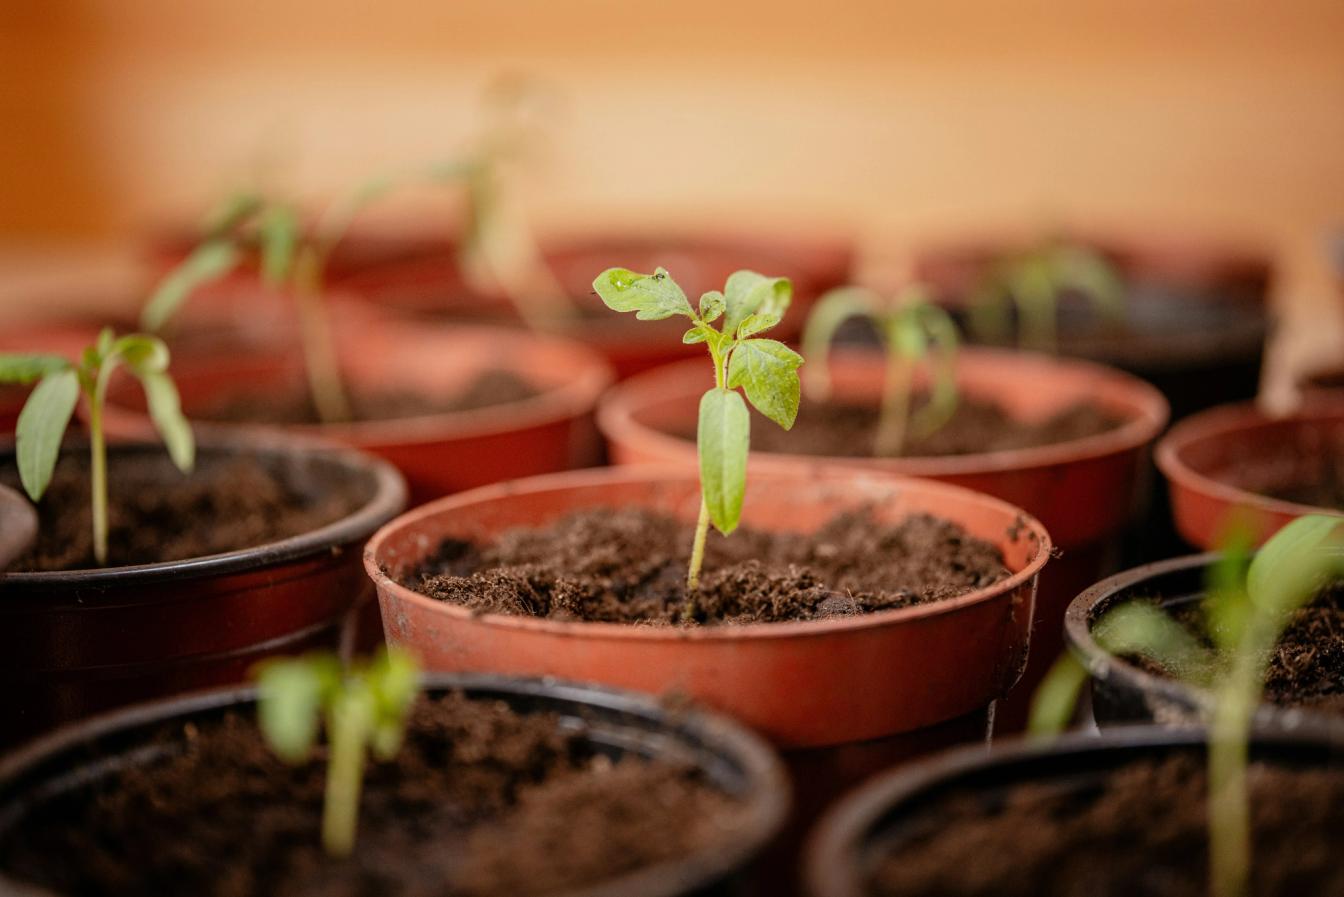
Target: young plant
{"x":46,"y":415}
{"x":765,"y":369}
{"x":364,"y":708}
{"x":912,"y":330}
{"x":1034,"y":282}
{"x":1246,"y":610}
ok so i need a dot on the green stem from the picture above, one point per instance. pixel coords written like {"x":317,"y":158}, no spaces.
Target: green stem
{"x":98,"y":462}
{"x":319,"y":350}
{"x":895,"y":414}
{"x":346,"y":730}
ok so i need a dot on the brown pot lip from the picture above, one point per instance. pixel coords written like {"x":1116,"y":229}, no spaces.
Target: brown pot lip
{"x":388,"y":499}
{"x":635,"y":474}
{"x":615,"y":418}
{"x":1227,"y":422}
{"x":768,"y":796}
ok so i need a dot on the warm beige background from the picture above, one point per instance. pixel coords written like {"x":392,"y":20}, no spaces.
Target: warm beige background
{"x":1208,"y":116}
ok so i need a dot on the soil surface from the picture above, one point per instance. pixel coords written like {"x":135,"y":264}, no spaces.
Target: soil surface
{"x":480,"y":801}
{"x":849,"y":431}
{"x":497,"y":387}
{"x":1141,"y":832}
{"x":629,"y":566}
{"x":156,"y":513}
{"x":1307,"y":667}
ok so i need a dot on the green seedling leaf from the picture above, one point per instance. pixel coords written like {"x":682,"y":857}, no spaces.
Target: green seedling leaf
{"x":723,"y":441}
{"x":652,"y":297}
{"x":712,"y":306}
{"x":748,"y":294}
{"x":278,"y":230}
{"x":208,"y":262}
{"x":1140,"y":627}
{"x":1295,"y":563}
{"x":831,"y":311}
{"x":290,"y":697}
{"x":1089,"y":273}
{"x":41,"y":427}
{"x":165,"y":409}
{"x":24,"y":369}
{"x":232,"y":214}
{"x":767,"y":370}
{"x":142,"y":354}
{"x":1056,"y":698}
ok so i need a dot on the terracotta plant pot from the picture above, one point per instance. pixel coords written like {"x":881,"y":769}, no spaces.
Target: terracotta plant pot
{"x":1123,"y":692}
{"x":1224,"y":466}
{"x":439,"y":453}
{"x":1085,"y":492}
{"x":88,"y":755}
{"x":808,"y":683}
{"x":77,"y":642}
{"x":1197,"y":315}
{"x":882,"y":817}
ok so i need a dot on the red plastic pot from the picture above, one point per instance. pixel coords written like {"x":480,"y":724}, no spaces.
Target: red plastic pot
{"x":1085,"y":492}
{"x":1219,"y":465}
{"x":438,"y":453}
{"x":76,"y":642}
{"x":802,"y":684}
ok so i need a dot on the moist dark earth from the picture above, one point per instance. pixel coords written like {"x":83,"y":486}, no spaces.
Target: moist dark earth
{"x":1141,"y":833}
{"x":497,"y":387}
{"x":850,"y":430}
{"x":481,"y":801}
{"x":156,"y":513}
{"x":629,"y":566}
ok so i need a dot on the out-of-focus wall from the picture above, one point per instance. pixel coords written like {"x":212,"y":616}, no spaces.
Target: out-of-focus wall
{"x":902,"y":117}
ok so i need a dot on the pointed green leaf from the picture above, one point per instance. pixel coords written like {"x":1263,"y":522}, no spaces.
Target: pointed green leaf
{"x":1293,"y":565}
{"x":142,"y":353}
{"x":768,"y":371}
{"x":232,"y":213}
{"x":831,"y":311}
{"x":165,"y":409}
{"x":210,"y":261}
{"x":290,"y":694}
{"x":652,"y":296}
{"x":711,"y":306}
{"x":1056,"y":698}
{"x":23,"y":369}
{"x":723,"y":440}
{"x":694,"y":335}
{"x":278,"y":230}
{"x":41,"y":426}
{"x":748,"y":293}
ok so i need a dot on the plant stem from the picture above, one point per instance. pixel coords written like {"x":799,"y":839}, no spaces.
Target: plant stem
{"x":319,"y":351}
{"x":697,"y":560}
{"x":98,"y":482}
{"x":895,"y":412}
{"x":346,"y":730}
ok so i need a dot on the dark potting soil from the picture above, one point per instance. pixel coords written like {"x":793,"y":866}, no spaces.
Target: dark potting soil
{"x":156,"y":513}
{"x":628,"y":565}
{"x":494,"y":387}
{"x":1307,"y":666}
{"x":845,"y":430}
{"x":480,"y":801}
{"x":1141,"y":831}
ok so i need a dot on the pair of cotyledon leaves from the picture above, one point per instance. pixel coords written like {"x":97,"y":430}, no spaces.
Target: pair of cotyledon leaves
{"x":46,"y":414}
{"x":765,"y":369}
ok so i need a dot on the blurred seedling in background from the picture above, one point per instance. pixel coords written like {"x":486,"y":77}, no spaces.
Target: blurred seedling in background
{"x":913,"y":331}
{"x":1034,"y":283}
{"x":765,"y":369}
{"x":364,"y":709}
{"x":60,"y":383}
{"x":1248,"y":604}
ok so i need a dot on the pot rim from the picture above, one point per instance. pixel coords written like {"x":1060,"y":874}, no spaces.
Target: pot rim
{"x":1103,"y":665}
{"x":834,"y":843}
{"x":1228,"y":422}
{"x":388,"y":499}
{"x":1147,"y":418}
{"x":653,"y":474}
{"x":767,"y":793}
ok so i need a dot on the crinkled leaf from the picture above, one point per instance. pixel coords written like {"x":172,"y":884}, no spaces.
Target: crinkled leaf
{"x":748,"y":293}
{"x":723,"y":440}
{"x":209,"y":261}
{"x":768,"y":371}
{"x":711,"y":306}
{"x":831,"y":311}
{"x":143,"y":354}
{"x":41,"y":426}
{"x":22,"y":368}
{"x":279,"y":234}
{"x":165,"y":409}
{"x":651,"y":296}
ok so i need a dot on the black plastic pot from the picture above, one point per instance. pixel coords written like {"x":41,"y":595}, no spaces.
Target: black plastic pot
{"x":78,"y":642}
{"x":18,"y":526}
{"x":870,"y":823}
{"x":1124,"y":693}
{"x":615,"y":722}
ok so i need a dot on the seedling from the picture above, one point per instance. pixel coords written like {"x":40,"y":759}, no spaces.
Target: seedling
{"x":1245,"y":612}
{"x":1034,"y":282}
{"x":912,"y":330}
{"x":765,"y":369}
{"x":46,"y":415}
{"x":364,"y":708}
